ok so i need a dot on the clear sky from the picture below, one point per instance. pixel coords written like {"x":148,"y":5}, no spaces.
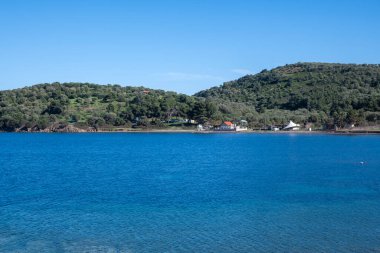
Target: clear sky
{"x":179,"y":45}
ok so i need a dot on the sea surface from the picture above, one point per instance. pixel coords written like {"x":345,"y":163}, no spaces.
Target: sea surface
{"x":150,"y":192}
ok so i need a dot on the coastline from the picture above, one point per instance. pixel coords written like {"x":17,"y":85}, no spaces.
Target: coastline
{"x":193,"y":131}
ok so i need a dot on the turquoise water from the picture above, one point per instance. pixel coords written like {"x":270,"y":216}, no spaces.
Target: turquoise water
{"x":189,"y":193}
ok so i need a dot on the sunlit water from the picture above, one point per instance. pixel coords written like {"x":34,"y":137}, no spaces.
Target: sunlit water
{"x":189,"y":193}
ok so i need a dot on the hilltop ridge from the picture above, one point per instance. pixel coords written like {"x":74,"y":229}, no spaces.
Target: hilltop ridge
{"x":323,"y":94}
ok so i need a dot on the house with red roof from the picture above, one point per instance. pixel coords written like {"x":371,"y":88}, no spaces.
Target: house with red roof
{"x":242,"y":125}
{"x":227,"y":126}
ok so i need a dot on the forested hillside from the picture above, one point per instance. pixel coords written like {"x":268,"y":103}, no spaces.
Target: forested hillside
{"x":321,"y":93}
{"x":325,"y":95}
{"x":89,"y":105}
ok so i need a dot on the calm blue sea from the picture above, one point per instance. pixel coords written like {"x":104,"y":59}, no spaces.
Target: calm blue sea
{"x":189,"y":193}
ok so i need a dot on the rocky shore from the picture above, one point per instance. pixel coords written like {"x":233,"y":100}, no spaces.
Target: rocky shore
{"x":56,"y":128}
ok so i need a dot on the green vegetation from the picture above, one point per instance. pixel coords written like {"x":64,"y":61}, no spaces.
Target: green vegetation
{"x":86,"y":105}
{"x":325,"y":95}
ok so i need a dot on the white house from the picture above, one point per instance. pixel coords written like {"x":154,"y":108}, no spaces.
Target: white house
{"x":242,"y":127}
{"x":292,"y":127}
{"x":229,"y":126}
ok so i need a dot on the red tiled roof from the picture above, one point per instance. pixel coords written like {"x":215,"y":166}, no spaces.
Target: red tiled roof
{"x":228,"y":123}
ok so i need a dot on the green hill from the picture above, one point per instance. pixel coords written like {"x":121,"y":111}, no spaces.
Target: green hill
{"x":325,"y":95}
{"x":321,"y":93}
{"x":86,"y":105}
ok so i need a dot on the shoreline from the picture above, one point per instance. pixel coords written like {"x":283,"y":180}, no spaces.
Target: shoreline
{"x":188,"y":131}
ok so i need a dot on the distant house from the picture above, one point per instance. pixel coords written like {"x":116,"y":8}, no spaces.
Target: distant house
{"x":242,"y":126}
{"x":227,"y":126}
{"x":274,"y":128}
{"x":292,"y":127}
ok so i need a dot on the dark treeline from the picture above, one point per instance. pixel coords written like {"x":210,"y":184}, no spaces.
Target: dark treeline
{"x":325,"y":95}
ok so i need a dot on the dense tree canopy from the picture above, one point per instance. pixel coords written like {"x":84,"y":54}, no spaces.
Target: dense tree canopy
{"x":326,"y":95}
{"x":90,"y":105}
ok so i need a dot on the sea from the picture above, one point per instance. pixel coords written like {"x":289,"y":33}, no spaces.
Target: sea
{"x":185,"y":192}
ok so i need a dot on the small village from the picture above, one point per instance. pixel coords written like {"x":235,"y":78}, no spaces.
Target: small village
{"x":242,"y":126}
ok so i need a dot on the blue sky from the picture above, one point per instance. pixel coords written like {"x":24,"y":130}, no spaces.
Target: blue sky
{"x":184,"y":46}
